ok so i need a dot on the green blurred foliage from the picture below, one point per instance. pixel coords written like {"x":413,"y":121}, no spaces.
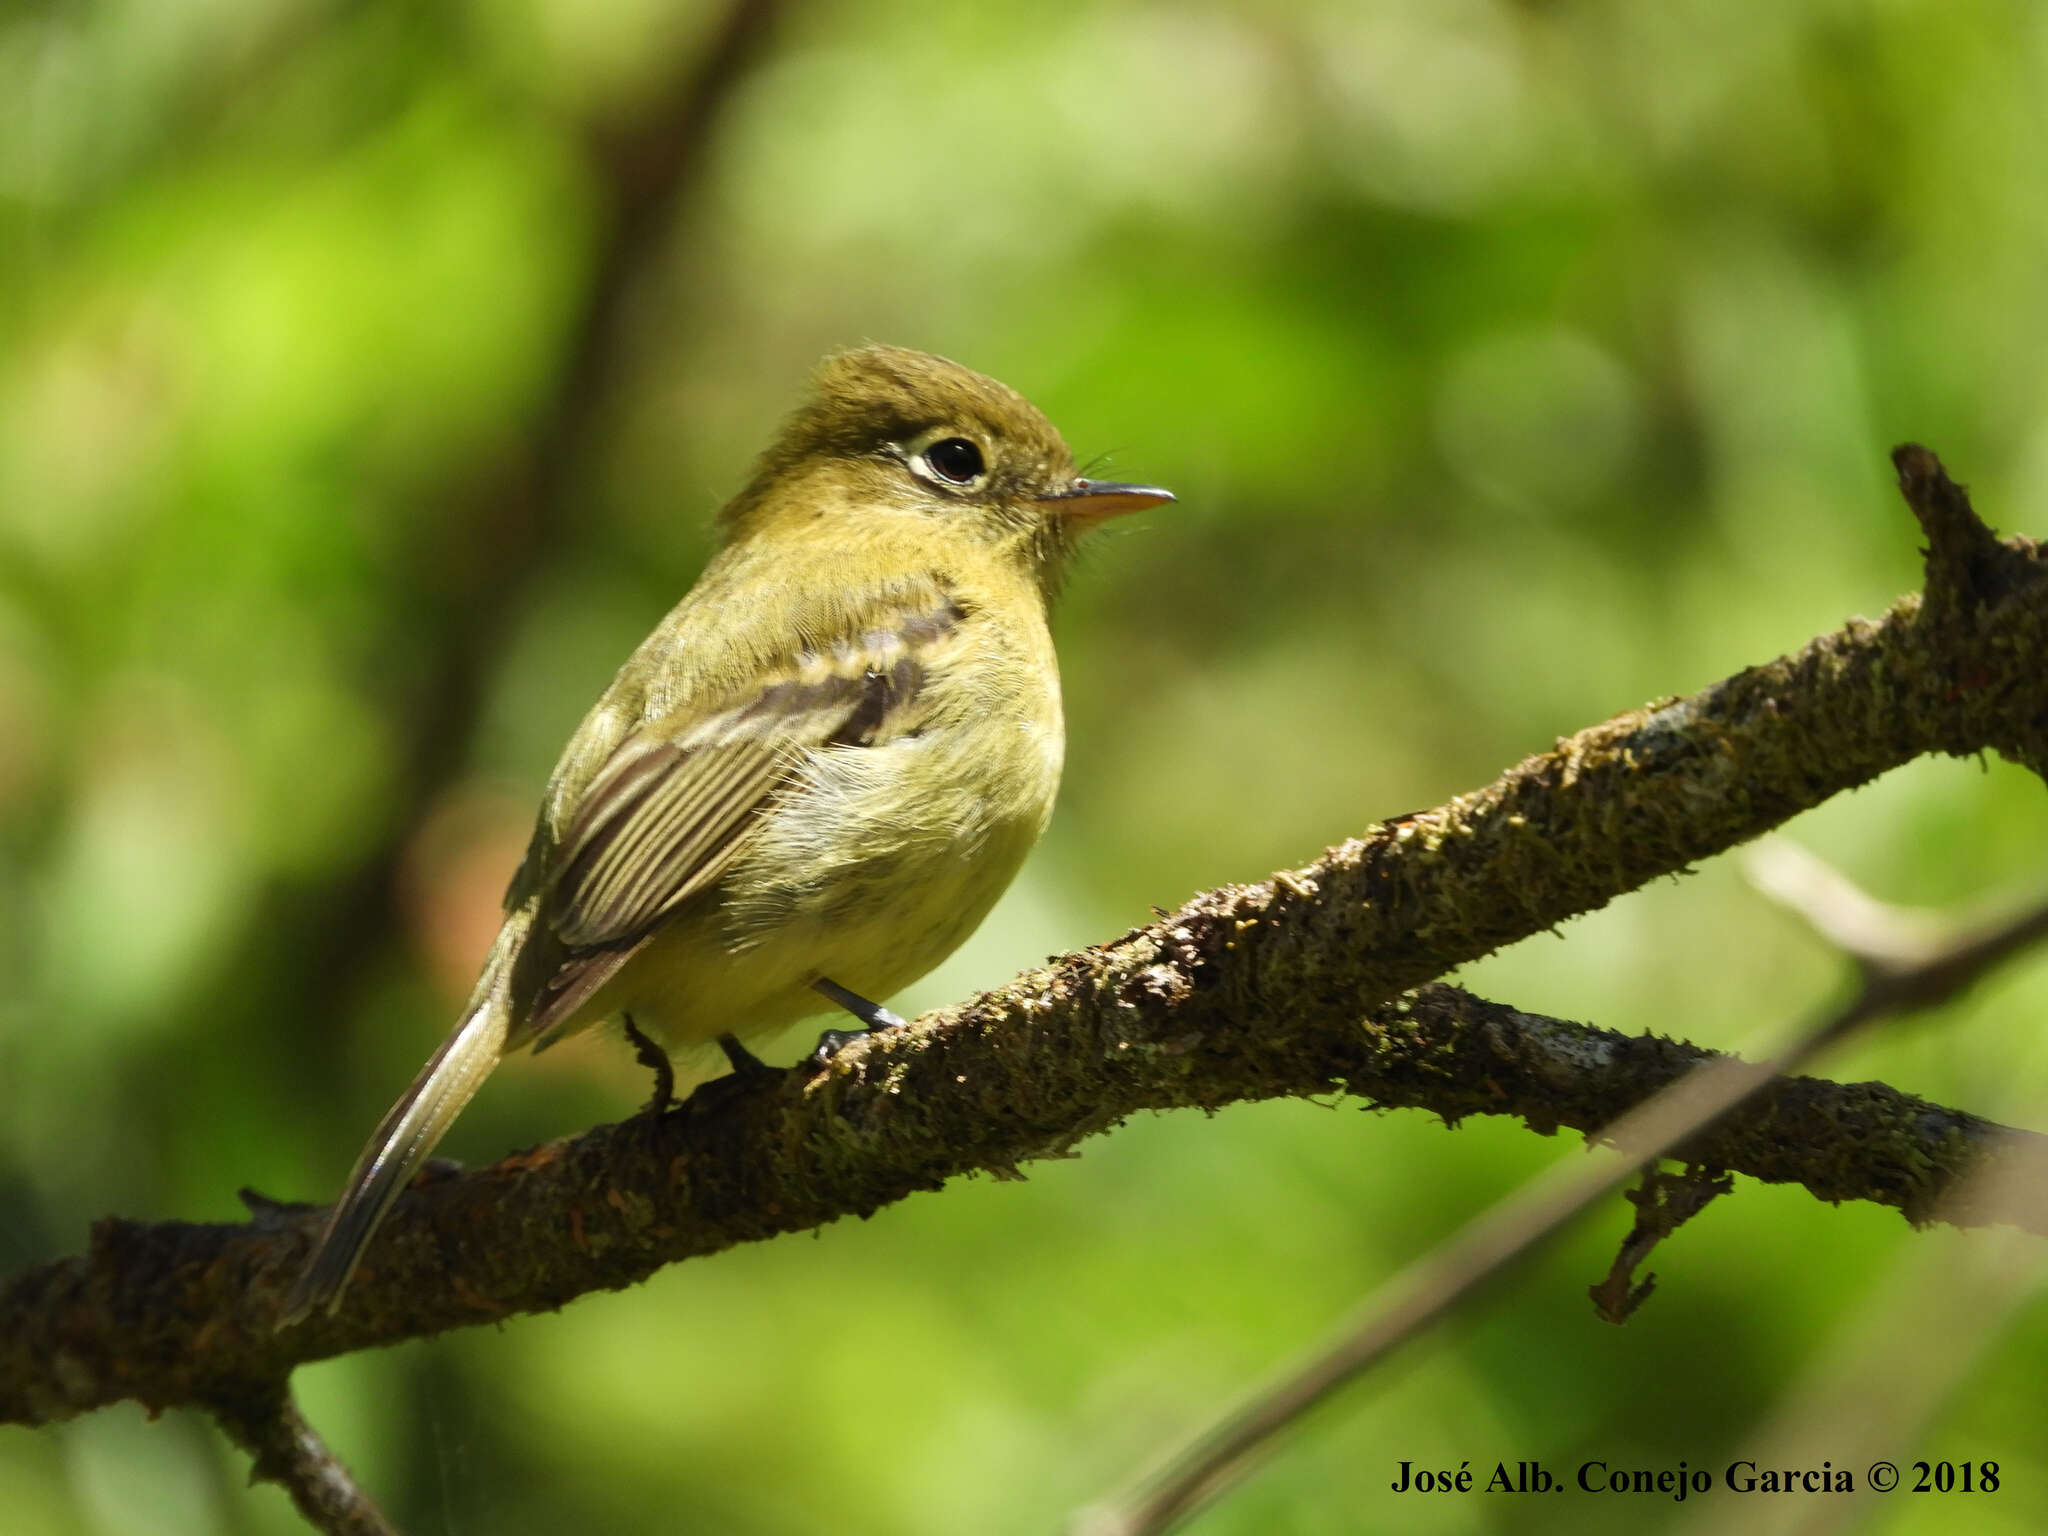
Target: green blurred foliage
{"x":1515,"y":364}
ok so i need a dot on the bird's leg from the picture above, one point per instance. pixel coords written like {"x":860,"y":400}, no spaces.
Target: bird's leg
{"x":655,"y":1059}
{"x":744,"y":1063}
{"x":873,"y":1016}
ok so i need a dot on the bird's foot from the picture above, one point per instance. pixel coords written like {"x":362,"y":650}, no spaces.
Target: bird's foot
{"x":655,"y":1059}
{"x":873,"y":1016}
{"x":744,"y":1063}
{"x":749,"y":1074}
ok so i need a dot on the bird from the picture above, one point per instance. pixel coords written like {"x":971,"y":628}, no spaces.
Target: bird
{"x":812,"y":780}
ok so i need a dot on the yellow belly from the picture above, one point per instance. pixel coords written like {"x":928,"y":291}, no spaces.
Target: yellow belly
{"x":848,"y":880}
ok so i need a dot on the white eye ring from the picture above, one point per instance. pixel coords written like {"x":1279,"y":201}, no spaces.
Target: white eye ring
{"x":949,"y":459}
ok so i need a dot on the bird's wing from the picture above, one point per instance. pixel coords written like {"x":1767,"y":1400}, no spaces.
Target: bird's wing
{"x":677,"y":801}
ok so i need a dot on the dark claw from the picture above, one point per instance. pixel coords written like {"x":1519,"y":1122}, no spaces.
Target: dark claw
{"x":830,"y":1044}
{"x":833,"y":1041}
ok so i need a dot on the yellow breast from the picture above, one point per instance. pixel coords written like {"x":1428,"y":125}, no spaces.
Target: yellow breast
{"x":875,"y":865}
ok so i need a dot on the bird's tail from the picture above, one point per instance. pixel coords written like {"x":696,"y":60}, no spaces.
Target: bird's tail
{"x":408,"y":1133}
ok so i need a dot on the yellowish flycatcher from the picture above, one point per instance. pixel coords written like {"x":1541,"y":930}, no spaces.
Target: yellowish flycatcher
{"x":815,"y":777}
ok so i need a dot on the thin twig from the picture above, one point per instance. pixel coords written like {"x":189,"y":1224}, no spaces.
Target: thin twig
{"x":1875,"y":934}
{"x":1294,"y":986}
{"x":1428,"y":1290}
{"x":1973,"y":580}
{"x":1868,"y":1393}
{"x":1664,"y":1202}
{"x":287,"y":1451}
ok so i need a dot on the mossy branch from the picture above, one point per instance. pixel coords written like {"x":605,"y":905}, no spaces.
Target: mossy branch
{"x":1310,"y":983}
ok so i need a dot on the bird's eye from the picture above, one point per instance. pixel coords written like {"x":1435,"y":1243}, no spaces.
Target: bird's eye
{"x":955,"y":459}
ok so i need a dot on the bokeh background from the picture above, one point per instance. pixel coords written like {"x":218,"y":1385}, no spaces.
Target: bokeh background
{"x":369,"y":373}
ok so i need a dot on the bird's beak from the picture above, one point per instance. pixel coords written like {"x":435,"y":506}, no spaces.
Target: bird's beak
{"x":1093,"y":501}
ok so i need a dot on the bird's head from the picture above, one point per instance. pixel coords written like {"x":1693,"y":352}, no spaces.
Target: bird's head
{"x":890,"y":433}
